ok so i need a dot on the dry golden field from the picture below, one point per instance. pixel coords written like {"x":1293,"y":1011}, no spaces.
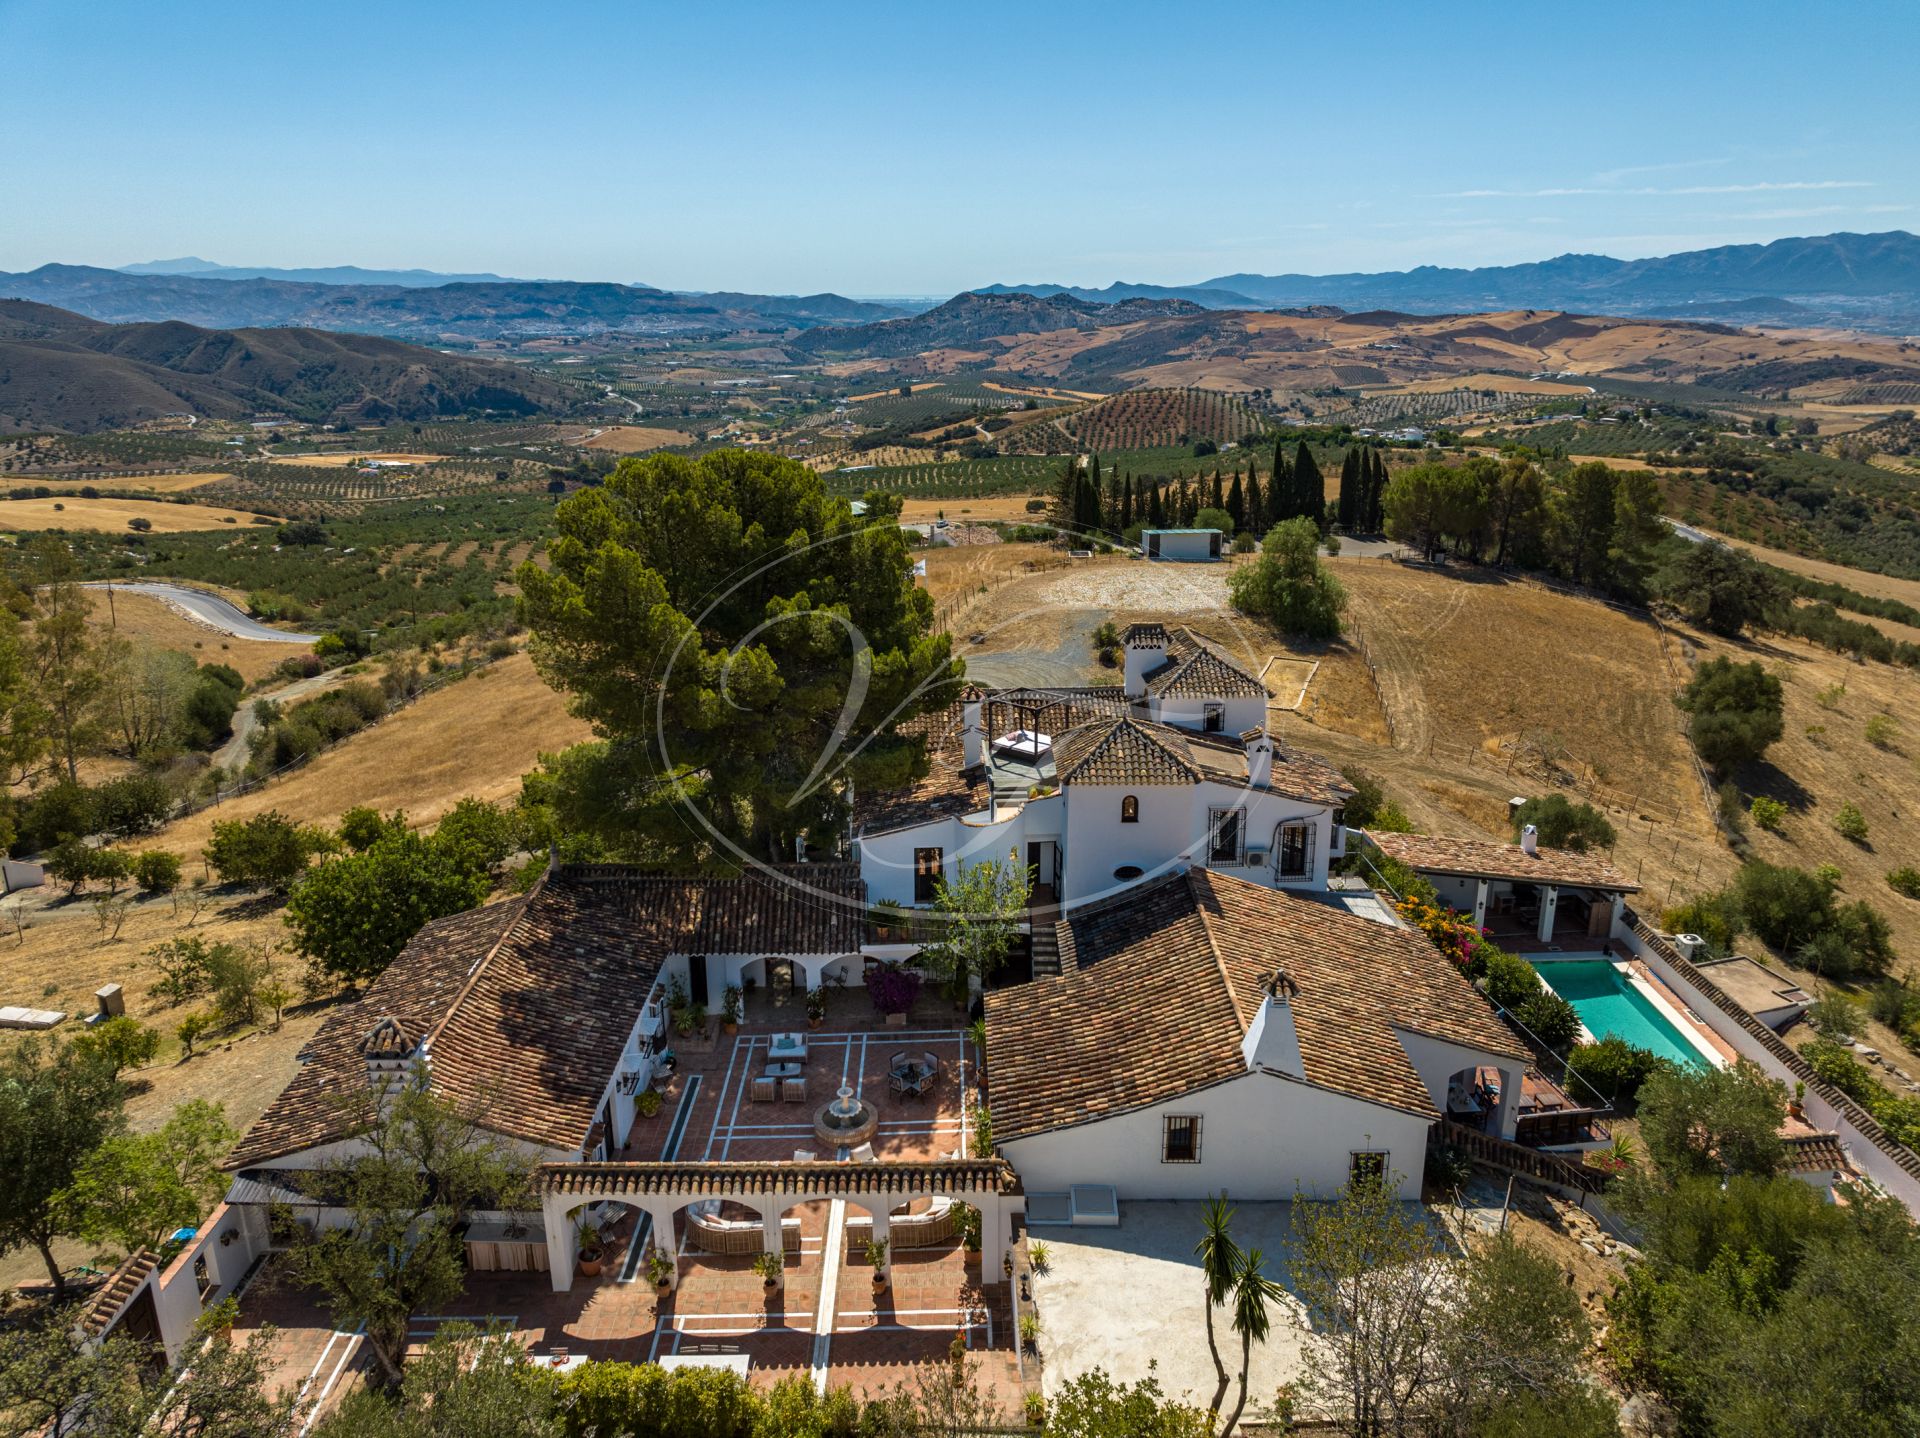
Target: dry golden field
{"x":341,"y":458}
{"x":477,"y":736}
{"x":634,"y":439}
{"x":156,"y":483}
{"x":113,"y":514}
{"x":1004,"y":508}
{"x":143,"y":616}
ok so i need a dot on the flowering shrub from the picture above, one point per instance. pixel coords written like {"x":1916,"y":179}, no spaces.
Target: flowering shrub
{"x":892,"y":988}
{"x":1452,"y":933}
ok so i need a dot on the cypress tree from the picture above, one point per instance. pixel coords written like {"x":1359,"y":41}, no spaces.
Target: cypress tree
{"x":1309,"y":486}
{"x":1237,"y":504}
{"x":1156,"y":508}
{"x":1256,"y":506}
{"x":1216,"y":500}
{"x":1376,"y":515}
{"x":1352,"y":498}
{"x":1126,"y":503}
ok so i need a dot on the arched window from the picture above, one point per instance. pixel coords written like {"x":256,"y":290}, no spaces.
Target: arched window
{"x":1130,"y":810}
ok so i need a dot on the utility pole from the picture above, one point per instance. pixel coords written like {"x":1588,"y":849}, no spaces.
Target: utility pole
{"x":113,"y":617}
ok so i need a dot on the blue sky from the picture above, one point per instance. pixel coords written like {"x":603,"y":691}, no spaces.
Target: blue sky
{"x":914,"y":149}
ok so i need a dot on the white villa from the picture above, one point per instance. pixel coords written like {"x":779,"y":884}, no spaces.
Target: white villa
{"x":1207,"y":1009}
{"x":1101,"y":789}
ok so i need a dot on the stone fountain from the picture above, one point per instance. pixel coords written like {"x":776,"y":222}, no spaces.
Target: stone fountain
{"x":846,"y":1120}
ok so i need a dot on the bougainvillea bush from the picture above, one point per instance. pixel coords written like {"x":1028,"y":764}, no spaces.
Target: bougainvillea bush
{"x":892,"y":988}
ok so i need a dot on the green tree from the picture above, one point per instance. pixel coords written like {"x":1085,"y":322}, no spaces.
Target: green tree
{"x":57,"y":1105}
{"x":1288,"y":585}
{"x":24,"y":717}
{"x":1719,"y":588}
{"x":269,"y":850}
{"x":1351,"y":503}
{"x":120,"y":1043}
{"x":1713,"y":1121}
{"x":1782,"y":905}
{"x":157,"y":871}
{"x":68,"y":674}
{"x":1093,"y":1405}
{"x":135,"y":1189}
{"x":423,"y":1164}
{"x":353,"y":913}
{"x":1562,"y":824}
{"x":1253,"y":1293}
{"x":1516,"y":511}
{"x":465,"y":1384}
{"x":976,"y":921}
{"x":713,"y":618}
{"x":1637,"y":532}
{"x":1583,"y":509}
{"x":145,"y":692}
{"x":1736,"y":711}
{"x":1307,"y":488}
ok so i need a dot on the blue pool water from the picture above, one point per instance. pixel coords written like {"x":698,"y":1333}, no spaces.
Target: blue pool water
{"x":1608,"y":1004}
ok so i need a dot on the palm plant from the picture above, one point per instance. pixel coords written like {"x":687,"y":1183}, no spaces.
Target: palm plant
{"x":1220,"y":1262}
{"x":1252,"y":1292}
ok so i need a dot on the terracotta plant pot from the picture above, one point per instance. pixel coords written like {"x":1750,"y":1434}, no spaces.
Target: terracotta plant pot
{"x":590,"y":1266}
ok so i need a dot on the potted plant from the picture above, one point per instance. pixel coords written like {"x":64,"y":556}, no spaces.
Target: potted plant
{"x":816,"y":1007}
{"x":877,"y":1256}
{"x":1038,"y":1255}
{"x":1798,"y":1108}
{"x":647,"y":1102}
{"x":730,"y":1006}
{"x":893,"y":990}
{"x":593,"y":1249}
{"x":770,"y":1266}
{"x":889,"y":920}
{"x":1030,"y":1332}
{"x":660,"y":1270}
{"x":1036,"y":1407}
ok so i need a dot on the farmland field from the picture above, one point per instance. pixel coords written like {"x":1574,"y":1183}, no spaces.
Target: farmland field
{"x":111,"y":515}
{"x":635,"y":439}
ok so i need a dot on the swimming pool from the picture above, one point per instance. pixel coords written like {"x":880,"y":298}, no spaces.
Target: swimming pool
{"x":1609,"y":1005}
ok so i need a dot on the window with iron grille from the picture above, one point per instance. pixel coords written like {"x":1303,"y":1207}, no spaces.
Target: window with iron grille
{"x":928,"y":864}
{"x":1367,"y":1166}
{"x":1296,"y":851}
{"x":1130,"y":809}
{"x":1180,"y":1138}
{"x":1225,"y":826}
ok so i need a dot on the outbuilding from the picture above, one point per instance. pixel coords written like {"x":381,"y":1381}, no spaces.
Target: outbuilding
{"x":1185,"y":544}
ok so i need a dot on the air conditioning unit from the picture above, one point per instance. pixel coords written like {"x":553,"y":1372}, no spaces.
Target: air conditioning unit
{"x":1689,"y":945}
{"x":1257,"y":858}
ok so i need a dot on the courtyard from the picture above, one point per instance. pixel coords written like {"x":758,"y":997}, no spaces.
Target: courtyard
{"x":825,"y":1319}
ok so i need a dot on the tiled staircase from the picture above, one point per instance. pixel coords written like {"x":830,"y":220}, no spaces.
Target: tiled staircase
{"x":1043,"y":915}
{"x":121,"y":1286}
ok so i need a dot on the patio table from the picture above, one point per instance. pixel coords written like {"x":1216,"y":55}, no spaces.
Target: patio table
{"x":784,"y":1071}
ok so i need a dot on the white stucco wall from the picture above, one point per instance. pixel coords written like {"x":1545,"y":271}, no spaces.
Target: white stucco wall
{"x":1239,"y":715}
{"x":1262,"y":1138}
{"x":1187,"y":544}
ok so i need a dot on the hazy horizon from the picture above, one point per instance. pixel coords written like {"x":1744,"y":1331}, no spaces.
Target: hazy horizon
{"x":883,"y":152}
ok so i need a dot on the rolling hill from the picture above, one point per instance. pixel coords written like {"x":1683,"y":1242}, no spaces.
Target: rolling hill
{"x":1170,"y":344}
{"x":482,"y":310}
{"x":63,"y":371}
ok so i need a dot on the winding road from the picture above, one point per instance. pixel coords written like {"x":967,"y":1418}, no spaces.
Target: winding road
{"x":210,"y":610}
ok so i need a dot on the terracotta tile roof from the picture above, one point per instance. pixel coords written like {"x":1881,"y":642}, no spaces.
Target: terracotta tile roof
{"x":1816,"y":1153}
{"x":946,"y":791}
{"x":1159,"y":984}
{"x":1483,"y":858}
{"x":1124,"y":751}
{"x":966,"y":1175}
{"x":1296,"y":774}
{"x":525,"y":1006}
{"x":1198,"y":669}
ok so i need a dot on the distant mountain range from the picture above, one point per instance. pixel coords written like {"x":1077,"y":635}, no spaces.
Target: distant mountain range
{"x":194,"y":268}
{"x":462,"y":310}
{"x":63,"y":371}
{"x":1868,"y":281}
{"x":966,"y":320}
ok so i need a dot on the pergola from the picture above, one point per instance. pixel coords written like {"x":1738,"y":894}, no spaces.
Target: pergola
{"x":661,"y":1190}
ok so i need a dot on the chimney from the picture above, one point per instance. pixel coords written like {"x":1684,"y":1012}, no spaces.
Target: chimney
{"x":1530,"y":840}
{"x":1259,"y":749}
{"x":973,"y":728}
{"x":1272,"y":1042}
{"x":1146,"y":652}
{"x":394,"y":1058}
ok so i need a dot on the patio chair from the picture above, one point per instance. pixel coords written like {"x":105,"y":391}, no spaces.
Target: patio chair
{"x":897,"y":1084}
{"x":899,"y":1061}
{"x":794,"y":1090}
{"x":762,"y":1091}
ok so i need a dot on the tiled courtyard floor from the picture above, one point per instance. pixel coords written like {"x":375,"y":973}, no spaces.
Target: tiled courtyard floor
{"x":872,"y":1342}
